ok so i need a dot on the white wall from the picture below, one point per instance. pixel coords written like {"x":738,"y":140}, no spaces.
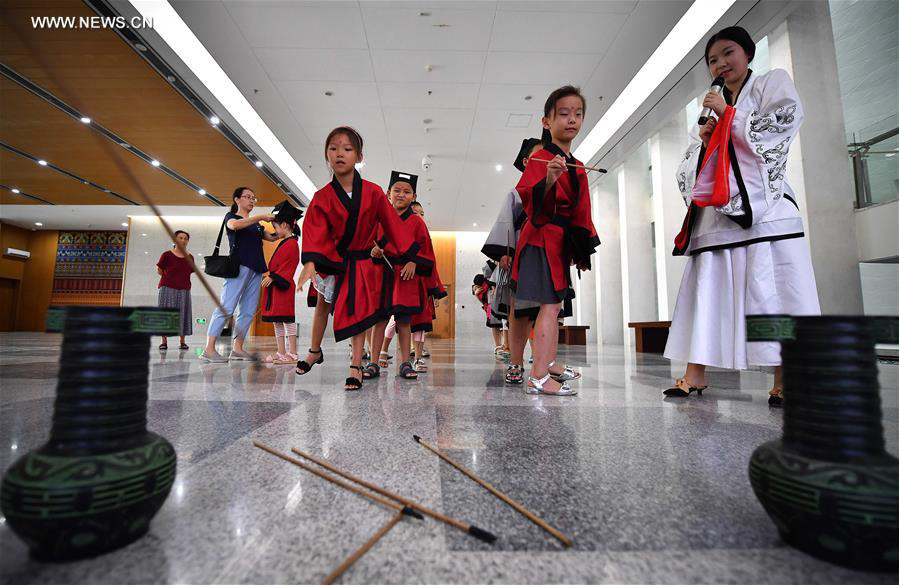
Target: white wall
{"x":141,"y":280}
{"x":877,"y":233}
{"x":470,"y":317}
{"x":880,"y":285}
{"x":607,"y":262}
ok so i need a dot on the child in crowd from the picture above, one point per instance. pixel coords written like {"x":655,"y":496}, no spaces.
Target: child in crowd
{"x":279,"y":294}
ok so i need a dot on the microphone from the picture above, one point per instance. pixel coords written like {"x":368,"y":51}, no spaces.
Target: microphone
{"x":717,"y":87}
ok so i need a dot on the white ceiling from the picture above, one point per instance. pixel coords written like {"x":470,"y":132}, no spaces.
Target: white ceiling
{"x":485,"y":57}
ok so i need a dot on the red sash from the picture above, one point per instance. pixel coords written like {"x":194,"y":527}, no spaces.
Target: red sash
{"x":712,"y":186}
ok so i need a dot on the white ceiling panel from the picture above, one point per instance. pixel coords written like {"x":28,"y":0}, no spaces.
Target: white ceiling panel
{"x":310,"y":96}
{"x":545,"y":68}
{"x":512,"y":96}
{"x":299,"y":25}
{"x":374,"y":57}
{"x":315,"y":64}
{"x":442,"y":30}
{"x":412,"y":66}
{"x":589,"y":32}
{"x":429,"y":95}
{"x":570,"y":8}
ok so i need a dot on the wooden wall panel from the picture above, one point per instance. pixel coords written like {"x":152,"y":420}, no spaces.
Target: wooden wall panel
{"x":445,"y":251}
{"x":34,"y":276}
{"x":96,"y":72}
{"x":37,"y":281}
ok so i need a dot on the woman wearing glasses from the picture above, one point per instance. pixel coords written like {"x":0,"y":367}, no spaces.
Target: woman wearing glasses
{"x":245,"y":237}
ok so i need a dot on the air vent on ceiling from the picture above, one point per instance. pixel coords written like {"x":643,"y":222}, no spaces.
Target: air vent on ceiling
{"x":518,"y":120}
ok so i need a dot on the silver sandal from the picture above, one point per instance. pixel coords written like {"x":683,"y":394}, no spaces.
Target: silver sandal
{"x":567,"y":374}
{"x":535,"y":386}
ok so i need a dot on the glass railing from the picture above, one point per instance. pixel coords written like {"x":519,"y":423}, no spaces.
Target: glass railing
{"x":874,"y":154}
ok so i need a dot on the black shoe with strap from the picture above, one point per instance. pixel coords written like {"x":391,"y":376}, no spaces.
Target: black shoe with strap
{"x":371,"y":370}
{"x":305,"y":366}
{"x":353,"y":383}
{"x":407,"y":372}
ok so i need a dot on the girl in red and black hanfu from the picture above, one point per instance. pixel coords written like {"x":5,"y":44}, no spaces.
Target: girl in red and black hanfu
{"x":339,"y":232}
{"x":407,"y":285}
{"x":559,"y":233}
{"x":279,"y":288}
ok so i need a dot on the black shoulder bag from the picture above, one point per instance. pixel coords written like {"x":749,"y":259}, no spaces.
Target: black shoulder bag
{"x":223,"y":266}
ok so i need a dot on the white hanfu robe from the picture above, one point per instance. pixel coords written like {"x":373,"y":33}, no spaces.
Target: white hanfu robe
{"x":749,"y":256}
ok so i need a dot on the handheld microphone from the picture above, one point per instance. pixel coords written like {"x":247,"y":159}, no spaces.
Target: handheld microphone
{"x":717,"y":87}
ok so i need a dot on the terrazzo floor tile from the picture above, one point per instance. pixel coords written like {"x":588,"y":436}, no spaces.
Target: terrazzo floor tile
{"x":650,"y":489}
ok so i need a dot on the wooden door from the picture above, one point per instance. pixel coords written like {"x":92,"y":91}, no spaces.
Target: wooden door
{"x":9,"y":292}
{"x":445,"y":251}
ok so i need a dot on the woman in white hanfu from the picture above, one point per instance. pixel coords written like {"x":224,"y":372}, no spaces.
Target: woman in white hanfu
{"x":743,"y":231}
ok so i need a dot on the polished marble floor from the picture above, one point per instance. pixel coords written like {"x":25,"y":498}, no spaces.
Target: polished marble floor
{"x":651,"y":490}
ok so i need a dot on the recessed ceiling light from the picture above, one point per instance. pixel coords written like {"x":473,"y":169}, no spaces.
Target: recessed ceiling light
{"x":499,"y":168}
{"x":85,"y":120}
{"x":145,"y":252}
{"x":259,"y":163}
{"x":144,"y":235}
{"x":474,"y":224}
{"x":124,"y":145}
{"x":124,"y":224}
{"x":140,"y":46}
{"x":171,"y":78}
{"x":329,"y":93}
{"x":202,"y":191}
{"x":214,"y":120}
{"x":42,"y":162}
{"x":424,"y":14}
{"x":154,"y":162}
{"x":15,"y":190}
{"x":38,"y":224}
{"x":528,"y":98}
{"x":427,"y":120}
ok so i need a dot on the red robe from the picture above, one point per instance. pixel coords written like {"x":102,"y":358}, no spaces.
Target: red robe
{"x":339,"y":232}
{"x":279,"y":297}
{"x":559,"y":221}
{"x":409,"y":297}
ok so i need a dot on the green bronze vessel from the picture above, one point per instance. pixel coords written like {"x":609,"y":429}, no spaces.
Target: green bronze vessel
{"x":828,"y":484}
{"x":101,"y":477}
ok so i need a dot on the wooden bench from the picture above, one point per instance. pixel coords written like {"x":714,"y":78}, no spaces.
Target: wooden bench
{"x":573,"y":334}
{"x":651,"y":336}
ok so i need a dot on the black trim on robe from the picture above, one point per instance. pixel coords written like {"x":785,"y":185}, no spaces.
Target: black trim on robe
{"x":745,"y":220}
{"x":279,"y":281}
{"x":352,"y":205}
{"x":428,"y":327}
{"x":322,"y":263}
{"x":748,"y":242}
{"x":289,"y":319}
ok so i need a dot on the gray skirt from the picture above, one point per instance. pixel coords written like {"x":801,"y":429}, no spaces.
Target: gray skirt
{"x":535,"y":281}
{"x":176,"y":298}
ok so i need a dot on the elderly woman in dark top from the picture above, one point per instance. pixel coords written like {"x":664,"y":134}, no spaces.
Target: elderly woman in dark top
{"x":245,"y":237}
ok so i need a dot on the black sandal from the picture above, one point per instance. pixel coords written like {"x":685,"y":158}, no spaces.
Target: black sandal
{"x":776,"y":397}
{"x":407,"y":372}
{"x":163,"y":346}
{"x":305,"y":366}
{"x":183,"y":346}
{"x":353,"y":383}
{"x":682,"y":389}
{"x":371,"y":370}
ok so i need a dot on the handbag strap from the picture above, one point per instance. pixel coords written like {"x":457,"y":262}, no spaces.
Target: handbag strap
{"x":218,"y":240}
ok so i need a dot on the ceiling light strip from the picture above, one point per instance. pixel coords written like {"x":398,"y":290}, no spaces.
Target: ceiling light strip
{"x":69,"y":174}
{"x":40,"y":92}
{"x":175,"y":32}
{"x":689,"y":30}
{"x":24,"y":194}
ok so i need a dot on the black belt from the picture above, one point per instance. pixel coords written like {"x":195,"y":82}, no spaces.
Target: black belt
{"x":561,"y":221}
